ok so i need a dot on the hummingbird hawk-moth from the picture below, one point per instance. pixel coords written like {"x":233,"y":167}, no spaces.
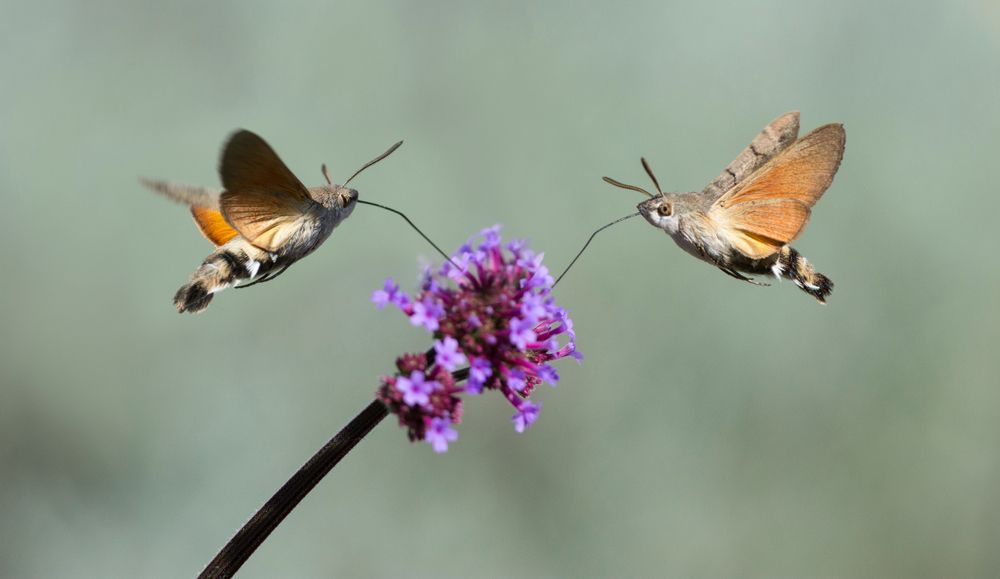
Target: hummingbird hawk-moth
{"x":263,"y":221}
{"x":745,"y":219}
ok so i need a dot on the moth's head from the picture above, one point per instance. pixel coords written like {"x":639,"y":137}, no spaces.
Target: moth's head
{"x":660,"y":209}
{"x":335,"y":196}
{"x":346,"y":197}
{"x":343,"y":197}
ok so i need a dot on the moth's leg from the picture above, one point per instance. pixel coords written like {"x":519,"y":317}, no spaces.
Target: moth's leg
{"x":733,"y":273}
{"x":266,"y":277}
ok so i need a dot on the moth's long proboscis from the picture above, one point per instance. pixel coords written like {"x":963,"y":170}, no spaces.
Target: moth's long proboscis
{"x":415,"y":228}
{"x":589,"y":239}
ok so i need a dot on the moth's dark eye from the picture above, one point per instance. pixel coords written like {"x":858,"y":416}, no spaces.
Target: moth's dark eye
{"x":665,"y":209}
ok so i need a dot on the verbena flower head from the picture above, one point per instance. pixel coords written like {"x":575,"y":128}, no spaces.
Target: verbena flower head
{"x":495,"y":313}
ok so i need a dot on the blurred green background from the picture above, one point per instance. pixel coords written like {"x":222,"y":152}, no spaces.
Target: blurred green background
{"x":715,"y":429}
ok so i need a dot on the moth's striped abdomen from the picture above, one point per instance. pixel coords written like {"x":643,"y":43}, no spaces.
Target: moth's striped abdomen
{"x":791,"y":265}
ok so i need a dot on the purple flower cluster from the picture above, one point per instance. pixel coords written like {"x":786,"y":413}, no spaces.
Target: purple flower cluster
{"x":490,"y":308}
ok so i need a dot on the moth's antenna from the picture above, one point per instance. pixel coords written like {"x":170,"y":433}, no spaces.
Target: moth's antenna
{"x":624,"y":186}
{"x":373,"y":161}
{"x":649,"y":171}
{"x":415,"y":228}
{"x":591,"y":238}
{"x":326,"y":175}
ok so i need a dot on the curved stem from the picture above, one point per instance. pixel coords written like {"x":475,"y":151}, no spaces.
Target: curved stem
{"x":265,"y":520}
{"x":268,"y":517}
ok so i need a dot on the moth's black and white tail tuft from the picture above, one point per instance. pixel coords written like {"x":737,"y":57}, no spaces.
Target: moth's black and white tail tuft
{"x":223,"y":268}
{"x":791,"y":265}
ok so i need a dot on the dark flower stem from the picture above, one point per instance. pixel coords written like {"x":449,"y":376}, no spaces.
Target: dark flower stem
{"x":268,"y":517}
{"x":265,"y":520}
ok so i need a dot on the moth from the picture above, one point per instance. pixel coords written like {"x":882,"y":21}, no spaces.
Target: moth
{"x":745,"y":219}
{"x":263,"y":221}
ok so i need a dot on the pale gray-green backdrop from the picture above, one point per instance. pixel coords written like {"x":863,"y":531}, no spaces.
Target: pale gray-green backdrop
{"x":715,"y":429}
